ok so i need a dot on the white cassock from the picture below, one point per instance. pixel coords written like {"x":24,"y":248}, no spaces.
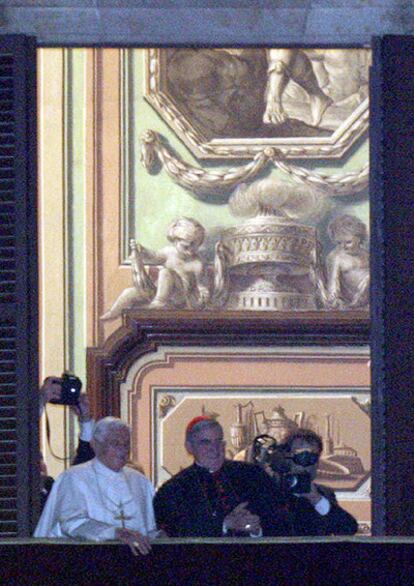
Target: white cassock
{"x":90,"y":501}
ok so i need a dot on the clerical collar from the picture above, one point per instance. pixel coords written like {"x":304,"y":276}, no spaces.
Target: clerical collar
{"x":207,"y":469}
{"x":105,"y":471}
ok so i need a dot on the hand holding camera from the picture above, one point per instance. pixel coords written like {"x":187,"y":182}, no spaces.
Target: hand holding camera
{"x":49,"y":390}
{"x":70,"y":388}
{"x":61,"y":391}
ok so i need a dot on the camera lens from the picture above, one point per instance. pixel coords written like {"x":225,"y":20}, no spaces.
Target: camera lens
{"x":292,"y":480}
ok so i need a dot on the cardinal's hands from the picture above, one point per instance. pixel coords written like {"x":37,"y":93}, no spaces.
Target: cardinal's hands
{"x":242,"y":520}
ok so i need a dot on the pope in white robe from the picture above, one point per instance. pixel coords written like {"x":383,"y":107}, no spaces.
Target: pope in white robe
{"x":102,"y":499}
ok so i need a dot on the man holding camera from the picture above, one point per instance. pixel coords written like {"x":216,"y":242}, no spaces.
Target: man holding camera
{"x":51,"y":392}
{"x":314,"y":507}
{"x":65,"y":390}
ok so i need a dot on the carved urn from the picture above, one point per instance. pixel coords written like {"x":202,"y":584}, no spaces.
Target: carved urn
{"x":269,"y":263}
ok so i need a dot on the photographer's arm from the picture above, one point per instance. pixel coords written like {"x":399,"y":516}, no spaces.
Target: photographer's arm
{"x":319,"y":502}
{"x":325,"y":517}
{"x":337,"y":521}
{"x":84,"y":451}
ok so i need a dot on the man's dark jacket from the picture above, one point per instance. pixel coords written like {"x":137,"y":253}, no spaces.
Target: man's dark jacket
{"x":188,"y":505}
{"x":308,"y":521}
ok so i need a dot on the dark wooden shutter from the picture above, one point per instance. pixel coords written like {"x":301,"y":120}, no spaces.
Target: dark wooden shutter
{"x":392,"y":272}
{"x":18,"y":288}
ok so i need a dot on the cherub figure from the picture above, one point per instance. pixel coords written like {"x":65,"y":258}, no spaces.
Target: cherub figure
{"x":348,"y":264}
{"x":181,"y":279}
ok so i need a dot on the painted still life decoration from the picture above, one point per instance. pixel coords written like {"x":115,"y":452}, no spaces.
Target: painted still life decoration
{"x":344,"y":465}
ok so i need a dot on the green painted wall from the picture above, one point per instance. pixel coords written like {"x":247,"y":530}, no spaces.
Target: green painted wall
{"x":158,"y":200}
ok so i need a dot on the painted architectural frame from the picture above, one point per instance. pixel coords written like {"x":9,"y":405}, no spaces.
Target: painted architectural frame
{"x":233,"y":103}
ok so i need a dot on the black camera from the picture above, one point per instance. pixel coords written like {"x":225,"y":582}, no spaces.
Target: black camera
{"x":272,"y":456}
{"x":296,"y":483}
{"x":71,"y":387}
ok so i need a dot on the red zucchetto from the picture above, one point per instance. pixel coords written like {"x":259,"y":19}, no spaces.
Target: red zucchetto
{"x":196,"y":420}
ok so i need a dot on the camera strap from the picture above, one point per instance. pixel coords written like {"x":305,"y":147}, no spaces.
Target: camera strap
{"x":49,"y":445}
